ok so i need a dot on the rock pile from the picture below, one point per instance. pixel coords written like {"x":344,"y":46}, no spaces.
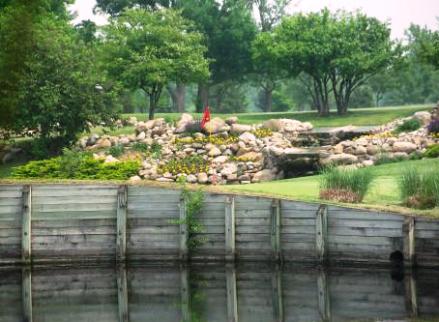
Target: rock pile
{"x":229,"y":152}
{"x":383,"y":143}
{"x":233,"y":152}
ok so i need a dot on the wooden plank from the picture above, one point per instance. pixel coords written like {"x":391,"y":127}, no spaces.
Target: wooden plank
{"x":230,"y":229}
{"x":323,"y":296}
{"x":121,"y":237}
{"x":26,"y":224}
{"x":276,"y":230}
{"x":322,"y":233}
{"x":185,"y":295}
{"x":409,"y":242}
{"x":411,"y":298}
{"x":278,"y":308}
{"x":27,"y":294}
{"x":232,"y":299}
{"x":122,"y":294}
{"x":184,"y":234}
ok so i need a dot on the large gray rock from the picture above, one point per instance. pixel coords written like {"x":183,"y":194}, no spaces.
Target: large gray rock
{"x":216,"y":125}
{"x":340,"y":159}
{"x":185,"y":122}
{"x":401,"y":146}
{"x":264,"y":175}
{"x":247,"y":137}
{"x":287,"y":125}
{"x":228,"y":169}
{"x":240,"y":128}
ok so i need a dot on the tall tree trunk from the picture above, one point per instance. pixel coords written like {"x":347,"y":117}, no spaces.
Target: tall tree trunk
{"x":268,"y":99}
{"x":202,"y":97}
{"x":152,"y":106}
{"x":180,"y":93}
{"x":154,"y":97}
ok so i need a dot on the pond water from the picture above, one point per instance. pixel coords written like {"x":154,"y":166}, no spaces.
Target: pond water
{"x":244,"y":293}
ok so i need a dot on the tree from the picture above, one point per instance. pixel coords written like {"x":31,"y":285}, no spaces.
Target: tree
{"x":301,"y":43}
{"x":147,"y":50}
{"x":265,"y":71}
{"x":59,"y":92}
{"x":229,"y":31}
{"x":338,"y":52}
{"x":361,"y":48}
{"x":86,"y":31}
{"x":424,"y":44}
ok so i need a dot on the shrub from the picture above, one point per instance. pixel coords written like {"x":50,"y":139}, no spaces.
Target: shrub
{"x":419,"y":189}
{"x":408,"y":126}
{"x":345,"y":184}
{"x":189,"y":165}
{"x":73,"y":165}
{"x":433,"y":127}
{"x":432,"y":151}
{"x":154,"y":150}
{"x":116,"y":150}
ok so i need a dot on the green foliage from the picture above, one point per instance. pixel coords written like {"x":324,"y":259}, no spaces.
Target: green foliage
{"x":432,"y":151}
{"x":116,"y":150}
{"x":419,"y":189}
{"x":356,"y":181}
{"x":147,"y":50}
{"x":60,"y":102}
{"x":74,"y":165}
{"x":338,"y":52}
{"x":262,"y":132}
{"x":217,"y":140}
{"x":192,"y":164}
{"x":408,"y":126}
{"x":154,"y":150}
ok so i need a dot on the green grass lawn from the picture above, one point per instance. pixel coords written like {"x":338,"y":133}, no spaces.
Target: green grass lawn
{"x":383,"y":193}
{"x":358,"y":117}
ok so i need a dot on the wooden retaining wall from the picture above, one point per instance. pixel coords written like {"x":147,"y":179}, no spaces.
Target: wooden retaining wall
{"x":55,"y":223}
{"x":216,"y":293}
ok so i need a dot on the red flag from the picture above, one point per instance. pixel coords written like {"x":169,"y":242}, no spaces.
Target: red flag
{"x":206,"y":117}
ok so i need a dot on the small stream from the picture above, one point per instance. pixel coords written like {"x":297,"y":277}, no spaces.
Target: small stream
{"x":198,"y":293}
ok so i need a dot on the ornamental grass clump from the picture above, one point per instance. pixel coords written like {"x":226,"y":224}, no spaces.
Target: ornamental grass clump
{"x":345,"y":184}
{"x":419,"y":189}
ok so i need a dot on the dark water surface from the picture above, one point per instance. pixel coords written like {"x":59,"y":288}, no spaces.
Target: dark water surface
{"x":244,"y":293}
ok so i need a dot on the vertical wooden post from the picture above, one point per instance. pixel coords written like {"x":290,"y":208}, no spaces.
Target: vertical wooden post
{"x":184,"y":235}
{"x":322,"y":233}
{"x":229,"y":221}
{"x":232,"y":299}
{"x":275,"y":229}
{"x":278,"y":308}
{"x":121,"y":237}
{"x":323,"y":296}
{"x":409,"y":242}
{"x":26,"y":287}
{"x":122,"y":293}
{"x":185,"y":295}
{"x":26,"y":225}
{"x":411,"y":297}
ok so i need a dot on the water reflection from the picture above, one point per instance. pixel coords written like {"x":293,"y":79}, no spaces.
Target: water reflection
{"x":217,"y":293}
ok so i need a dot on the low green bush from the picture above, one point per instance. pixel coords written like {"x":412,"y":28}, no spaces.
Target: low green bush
{"x":73,"y":165}
{"x":116,"y":150}
{"x":408,"y":126}
{"x":154,"y":150}
{"x":345,"y":184}
{"x":432,"y":151}
{"x":419,"y":189}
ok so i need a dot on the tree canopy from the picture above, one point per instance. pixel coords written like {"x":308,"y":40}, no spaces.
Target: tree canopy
{"x":147,"y":50}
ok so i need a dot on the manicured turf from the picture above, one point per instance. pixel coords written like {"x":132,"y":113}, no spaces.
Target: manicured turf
{"x":384,"y":191}
{"x":358,"y":117}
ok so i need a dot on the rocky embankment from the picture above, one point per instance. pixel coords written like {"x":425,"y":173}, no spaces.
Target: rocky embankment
{"x":229,"y":152}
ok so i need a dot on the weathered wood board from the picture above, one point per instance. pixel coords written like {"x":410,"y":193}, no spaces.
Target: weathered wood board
{"x":80,"y":223}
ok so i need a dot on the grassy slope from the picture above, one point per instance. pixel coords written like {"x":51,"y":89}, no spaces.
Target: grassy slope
{"x":383,"y":193}
{"x":363,"y":116}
